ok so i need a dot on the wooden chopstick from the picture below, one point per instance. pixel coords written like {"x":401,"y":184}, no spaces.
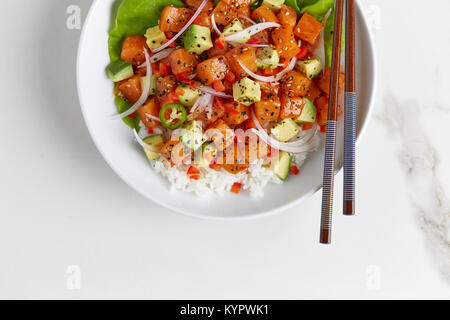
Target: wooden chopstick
{"x":330,"y":142}
{"x":350,"y":112}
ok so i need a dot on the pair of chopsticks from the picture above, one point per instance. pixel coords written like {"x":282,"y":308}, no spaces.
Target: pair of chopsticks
{"x":349,"y":122}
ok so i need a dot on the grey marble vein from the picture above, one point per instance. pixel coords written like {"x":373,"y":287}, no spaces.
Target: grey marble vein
{"x":420,"y":160}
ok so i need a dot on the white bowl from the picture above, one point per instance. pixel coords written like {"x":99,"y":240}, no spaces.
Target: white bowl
{"x":115,"y":140}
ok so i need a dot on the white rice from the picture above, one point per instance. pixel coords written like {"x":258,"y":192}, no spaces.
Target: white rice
{"x":220,"y":182}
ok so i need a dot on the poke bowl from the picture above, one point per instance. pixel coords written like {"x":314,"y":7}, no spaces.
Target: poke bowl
{"x":216,"y":109}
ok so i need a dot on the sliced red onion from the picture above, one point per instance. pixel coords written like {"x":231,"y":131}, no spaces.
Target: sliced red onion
{"x":209,"y":107}
{"x":158,"y":130}
{"x":188,"y":24}
{"x":192,"y":76}
{"x":248,"y":44}
{"x":145,"y":90}
{"x":161,"y":55}
{"x":201,"y":102}
{"x":150,"y":116}
{"x":327,"y":15}
{"x":247,"y":18}
{"x":213,"y":22}
{"x":297,"y":146}
{"x":213,"y":92}
{"x":273,"y":78}
{"x":254,"y":29}
{"x":142,"y":143}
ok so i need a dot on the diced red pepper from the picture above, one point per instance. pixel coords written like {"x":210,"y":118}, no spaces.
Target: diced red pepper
{"x":190,"y":83}
{"x":198,"y":20}
{"x":193,"y":173}
{"x":150,"y":130}
{"x":215,"y":166}
{"x":295,"y":171}
{"x":182,"y":76}
{"x":249,"y":124}
{"x":270,"y":72}
{"x":218,"y":86}
{"x":254,"y":41}
{"x":163,"y":69}
{"x":236,"y":188}
{"x":179,"y":92}
{"x":220,"y":43}
{"x":218,"y":102}
{"x":169,"y":35}
{"x":323,"y":129}
{"x":307,"y":126}
{"x":170,"y":98}
{"x":230,"y":77}
{"x":303,"y":52}
{"x":133,"y":115}
{"x":233,"y":111}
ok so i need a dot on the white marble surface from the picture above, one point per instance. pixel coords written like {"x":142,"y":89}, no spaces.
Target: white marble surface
{"x":61,"y":206}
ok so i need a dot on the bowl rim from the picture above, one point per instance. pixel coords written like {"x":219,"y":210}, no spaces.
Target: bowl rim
{"x":263,"y":214}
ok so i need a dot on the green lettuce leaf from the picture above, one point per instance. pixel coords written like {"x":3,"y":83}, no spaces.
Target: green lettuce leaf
{"x":122,"y":106}
{"x":293,"y":4}
{"x":317,"y":8}
{"x":304,"y":3}
{"x":134,"y":17}
{"x":328,"y":37}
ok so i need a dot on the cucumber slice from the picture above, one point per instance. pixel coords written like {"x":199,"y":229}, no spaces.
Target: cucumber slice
{"x":308,"y":114}
{"x":282,"y":165}
{"x":119,"y":70}
{"x":155,"y":142}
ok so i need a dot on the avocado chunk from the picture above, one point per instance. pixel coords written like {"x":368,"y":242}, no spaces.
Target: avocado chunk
{"x":153,"y":87}
{"x":119,"y":70}
{"x":311,"y":68}
{"x":197,"y":39}
{"x":233,"y":27}
{"x":267,"y":57}
{"x":247,"y":91}
{"x":285,"y":130}
{"x":155,"y":142}
{"x":209,"y":153}
{"x":192,"y":135}
{"x":281,"y":165}
{"x":189,"y":96}
{"x":155,"y":38}
{"x":309,"y":113}
{"x":275,"y":5}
